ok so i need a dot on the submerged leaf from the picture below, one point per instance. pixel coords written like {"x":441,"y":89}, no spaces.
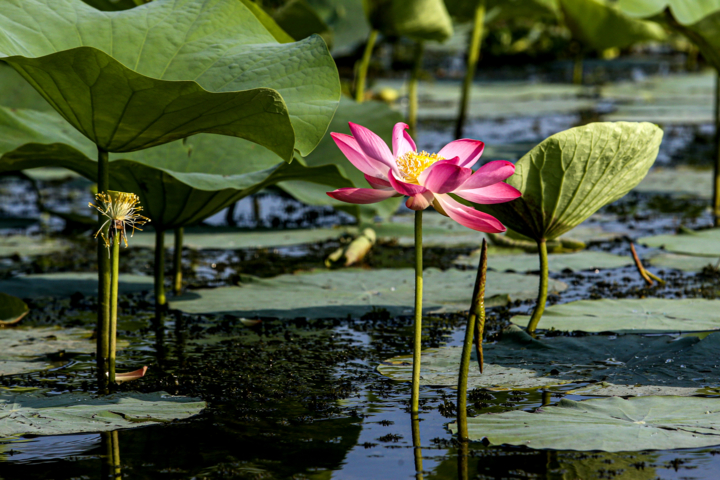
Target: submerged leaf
{"x":355,"y":292}
{"x":607,"y":424}
{"x":170,"y":69}
{"x":81,"y":412}
{"x":570,"y":175}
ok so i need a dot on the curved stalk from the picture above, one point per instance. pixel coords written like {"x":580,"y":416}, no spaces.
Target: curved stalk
{"x":417,"y":450}
{"x":103,"y":312}
{"x":716,"y":166}
{"x":412,"y":88}
{"x":177,"y":261}
{"x":112,"y":333}
{"x":473,"y":55}
{"x":477,"y":311}
{"x":159,"y":270}
{"x":363,"y":67}
{"x":542,"y":291}
{"x":417,"y":340}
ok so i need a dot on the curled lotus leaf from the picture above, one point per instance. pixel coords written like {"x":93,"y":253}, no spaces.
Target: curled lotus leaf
{"x":572,"y":174}
{"x":12,"y":309}
{"x":416,"y":19}
{"x":170,"y":69}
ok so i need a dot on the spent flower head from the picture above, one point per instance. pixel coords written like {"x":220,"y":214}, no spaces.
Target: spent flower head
{"x":121,"y":210}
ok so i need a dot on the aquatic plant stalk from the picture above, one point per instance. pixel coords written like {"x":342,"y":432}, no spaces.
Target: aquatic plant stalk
{"x":117,"y":471}
{"x":716,"y":165}
{"x":578,"y":69}
{"x":543,"y":289}
{"x":159,"y":269}
{"x":462,"y":454}
{"x":417,"y":448}
{"x":112,"y":333}
{"x":177,"y":261}
{"x":638,"y":264}
{"x":417,"y":337}
{"x":103,"y":312}
{"x":473,"y":55}
{"x":362,"y":68}
{"x":413,"y":86}
{"x":477,"y":312}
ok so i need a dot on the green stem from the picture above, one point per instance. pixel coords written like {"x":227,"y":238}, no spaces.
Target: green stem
{"x":112,"y":334}
{"x":477,"y":311}
{"x":103,"y":313}
{"x":412,"y":88}
{"x":159,"y":270}
{"x":542,"y":291}
{"x":177,"y":261}
{"x":417,"y":448}
{"x":363,"y":67}
{"x":473,"y":55}
{"x":716,"y":172}
{"x":578,"y":69}
{"x":462,"y":461}
{"x":417,"y":340}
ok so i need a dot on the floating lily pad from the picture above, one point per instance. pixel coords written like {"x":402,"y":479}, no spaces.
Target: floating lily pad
{"x":686,"y":263}
{"x":12,"y":309}
{"x":703,"y":243}
{"x":82,"y":412}
{"x":678,"y":181}
{"x":647,"y":315}
{"x":607,"y":424}
{"x":438,"y":231}
{"x":629,"y":364}
{"x":24,"y":245}
{"x":328,"y":294}
{"x":25,"y":350}
{"x":585,"y":260}
{"x":65,"y":284}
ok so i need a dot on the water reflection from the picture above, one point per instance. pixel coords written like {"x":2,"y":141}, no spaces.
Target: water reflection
{"x":417,"y":448}
{"x":111,"y":467}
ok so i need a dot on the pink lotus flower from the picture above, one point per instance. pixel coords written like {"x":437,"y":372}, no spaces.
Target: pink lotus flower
{"x":426,"y":178}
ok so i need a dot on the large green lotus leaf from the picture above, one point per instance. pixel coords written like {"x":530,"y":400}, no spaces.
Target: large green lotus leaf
{"x":570,"y":175}
{"x":348,"y":22}
{"x":607,"y":424}
{"x":24,"y":245}
{"x":501,"y":10}
{"x":300,"y":20}
{"x":631,"y":364}
{"x":630,"y":315}
{"x":64,"y":284}
{"x":704,"y":243}
{"x":38,"y":414}
{"x":417,"y":19}
{"x":686,"y":263}
{"x":600,"y":24}
{"x":24,"y":350}
{"x":585,"y":260}
{"x":677,"y":181}
{"x":685,"y":11}
{"x":12,"y":309}
{"x":178,"y":183}
{"x":329,"y":294}
{"x":169,"y":69}
{"x":376,"y":116}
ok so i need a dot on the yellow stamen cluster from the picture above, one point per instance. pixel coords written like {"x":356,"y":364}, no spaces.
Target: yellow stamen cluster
{"x":412,"y":164}
{"x":122,"y":210}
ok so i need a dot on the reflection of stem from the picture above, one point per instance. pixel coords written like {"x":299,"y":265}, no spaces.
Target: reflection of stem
{"x":417,"y":449}
{"x":103,"y":313}
{"x":716,"y":166}
{"x":638,"y":264}
{"x":112,"y":334}
{"x":159,"y":269}
{"x":463,"y":460}
{"x":412,"y":88}
{"x":363,"y":67}
{"x":477,"y":312}
{"x":117,"y":470}
{"x":180,"y":339}
{"x":107,"y":457}
{"x":542,"y":291}
{"x":473,"y":55}
{"x":177,"y":261}
{"x":417,"y":341}
{"x":546,"y":396}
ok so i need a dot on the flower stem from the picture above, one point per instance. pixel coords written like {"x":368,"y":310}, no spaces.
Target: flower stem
{"x":363,"y":67}
{"x":473,"y":55}
{"x":103,"y":313}
{"x":412,"y":88}
{"x":417,"y":340}
{"x":159,"y":269}
{"x":177,"y":261}
{"x":542,"y":291}
{"x":112,"y":334}
{"x":477,"y":312}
